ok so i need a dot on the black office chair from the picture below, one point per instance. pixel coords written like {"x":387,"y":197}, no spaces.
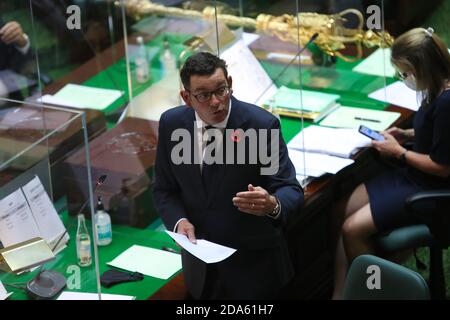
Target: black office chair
{"x":433,"y":208}
{"x":395,"y":281}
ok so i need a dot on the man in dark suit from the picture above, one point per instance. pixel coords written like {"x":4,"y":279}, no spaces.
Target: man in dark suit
{"x":14,"y":53}
{"x":242,"y":203}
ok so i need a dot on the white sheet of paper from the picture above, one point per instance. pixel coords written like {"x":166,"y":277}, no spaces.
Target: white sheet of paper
{"x":79,"y":96}
{"x":44,"y":213}
{"x":398,"y":94}
{"x":314,"y":164}
{"x":16,"y":220}
{"x":339,"y":142}
{"x":377,"y":64}
{"x":67,"y":295}
{"x":151,"y":262}
{"x":3,"y":293}
{"x":250,"y":80}
{"x":248,"y":38}
{"x":205,"y":250}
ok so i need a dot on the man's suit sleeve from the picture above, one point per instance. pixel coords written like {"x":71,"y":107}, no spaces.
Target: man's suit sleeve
{"x":166,"y":191}
{"x":284,"y":184}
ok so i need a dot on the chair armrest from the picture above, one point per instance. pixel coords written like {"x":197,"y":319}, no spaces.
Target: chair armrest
{"x":437,"y":197}
{"x":433,"y":209}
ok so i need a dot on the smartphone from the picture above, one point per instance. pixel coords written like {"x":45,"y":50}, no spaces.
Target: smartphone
{"x":372,"y":134}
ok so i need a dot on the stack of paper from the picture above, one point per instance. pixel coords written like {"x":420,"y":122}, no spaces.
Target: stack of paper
{"x":316,"y":164}
{"x":331,"y":141}
{"x":308,"y":104}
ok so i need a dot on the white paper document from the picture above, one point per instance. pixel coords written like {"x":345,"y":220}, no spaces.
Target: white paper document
{"x":205,"y":250}
{"x":248,"y":38}
{"x":79,"y":96}
{"x":3,"y":293}
{"x":251,"y":83}
{"x":398,"y":94}
{"x":45,"y":215}
{"x":28,"y":213}
{"x":151,"y":262}
{"x":315,"y":164}
{"x":67,"y":295}
{"x":16,"y":220}
{"x":339,"y":142}
{"x":377,"y":64}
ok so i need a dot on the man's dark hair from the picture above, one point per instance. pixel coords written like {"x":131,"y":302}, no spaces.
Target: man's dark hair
{"x":203,"y":64}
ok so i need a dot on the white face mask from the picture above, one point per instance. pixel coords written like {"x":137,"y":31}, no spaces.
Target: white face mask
{"x":410,"y":82}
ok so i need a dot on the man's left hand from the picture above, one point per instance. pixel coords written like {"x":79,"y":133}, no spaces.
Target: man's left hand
{"x":255,"y":201}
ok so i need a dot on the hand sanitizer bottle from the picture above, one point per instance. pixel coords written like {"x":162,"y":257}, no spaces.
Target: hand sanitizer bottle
{"x":83,"y":243}
{"x":103,"y":222}
{"x":168,"y":60}
{"x":141,"y":62}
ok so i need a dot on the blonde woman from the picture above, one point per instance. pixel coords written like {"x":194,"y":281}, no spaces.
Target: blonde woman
{"x":423,"y":63}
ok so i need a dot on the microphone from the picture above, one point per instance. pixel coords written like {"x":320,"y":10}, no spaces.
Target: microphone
{"x":48,"y":283}
{"x":99,"y":182}
{"x":299,"y":52}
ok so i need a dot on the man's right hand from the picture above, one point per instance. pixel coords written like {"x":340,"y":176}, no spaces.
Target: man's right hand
{"x":186,"y":228}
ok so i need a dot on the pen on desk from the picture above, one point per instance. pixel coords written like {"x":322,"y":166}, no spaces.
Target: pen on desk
{"x":366,"y":119}
{"x":169,"y":249}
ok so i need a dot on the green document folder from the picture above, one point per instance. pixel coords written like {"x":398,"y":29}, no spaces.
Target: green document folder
{"x":348,"y":117}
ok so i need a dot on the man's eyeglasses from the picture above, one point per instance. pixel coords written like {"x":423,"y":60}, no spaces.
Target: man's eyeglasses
{"x":401,"y":75}
{"x":220,"y":93}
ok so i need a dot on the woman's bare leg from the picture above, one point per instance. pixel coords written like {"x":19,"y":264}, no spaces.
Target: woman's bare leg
{"x":358,"y":199}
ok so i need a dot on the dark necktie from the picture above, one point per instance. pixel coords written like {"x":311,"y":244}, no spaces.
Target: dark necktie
{"x":208,"y":169}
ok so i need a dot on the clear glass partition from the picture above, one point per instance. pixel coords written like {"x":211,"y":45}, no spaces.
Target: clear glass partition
{"x":44,"y":250}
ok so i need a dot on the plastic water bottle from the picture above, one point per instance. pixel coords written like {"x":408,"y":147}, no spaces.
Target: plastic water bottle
{"x":141,"y":62}
{"x":83,"y":243}
{"x":168,"y":60}
{"x":103,"y":222}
